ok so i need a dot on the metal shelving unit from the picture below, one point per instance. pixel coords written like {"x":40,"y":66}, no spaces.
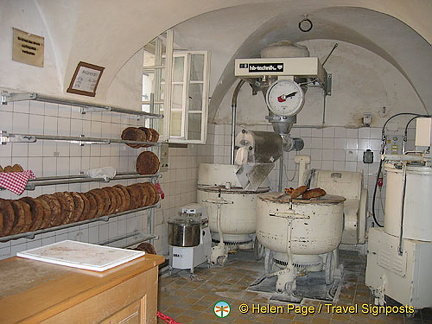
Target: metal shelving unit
{"x":7,"y":97}
{"x":82,"y":178}
{"x":6,"y":137}
{"x":84,"y":107}
{"x":31,"y":235}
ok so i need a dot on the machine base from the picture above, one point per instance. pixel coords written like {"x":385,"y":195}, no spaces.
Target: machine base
{"x":311,"y":286}
{"x":406,"y":278}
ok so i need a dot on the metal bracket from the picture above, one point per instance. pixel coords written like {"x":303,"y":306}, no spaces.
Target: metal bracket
{"x":328,"y":85}
{"x":12,"y":97}
{"x":84,"y":106}
{"x":5,"y":138}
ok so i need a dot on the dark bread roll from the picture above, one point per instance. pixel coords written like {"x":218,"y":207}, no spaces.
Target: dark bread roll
{"x":314,"y":193}
{"x":17,"y":168}
{"x":298,"y":192}
{"x":146,"y":247}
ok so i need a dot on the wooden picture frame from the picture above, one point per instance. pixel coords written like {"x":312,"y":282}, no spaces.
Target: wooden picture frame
{"x":85,"y":79}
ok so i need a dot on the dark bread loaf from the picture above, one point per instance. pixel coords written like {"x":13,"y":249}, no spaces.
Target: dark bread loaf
{"x":298,"y":192}
{"x":313,"y":193}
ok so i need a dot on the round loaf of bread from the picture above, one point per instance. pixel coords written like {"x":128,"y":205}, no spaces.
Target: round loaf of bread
{"x":147,"y":163}
{"x":55,"y":217}
{"x":155,"y":134}
{"x":20,"y":217}
{"x":46,"y":214}
{"x":124,"y":202}
{"x":8,"y":216}
{"x":93,"y":207}
{"x":135,"y":196}
{"x":126,"y":199}
{"x":66,"y":205}
{"x":86,"y":210}
{"x":36,"y":211}
{"x":101,"y":201}
{"x":78,"y":203}
{"x":149,"y":135}
{"x":133,"y":134}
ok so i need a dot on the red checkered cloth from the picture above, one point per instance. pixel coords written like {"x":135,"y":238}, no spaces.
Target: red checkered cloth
{"x":16,"y":181}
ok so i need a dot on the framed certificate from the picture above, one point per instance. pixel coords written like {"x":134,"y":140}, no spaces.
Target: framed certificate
{"x":85,"y":79}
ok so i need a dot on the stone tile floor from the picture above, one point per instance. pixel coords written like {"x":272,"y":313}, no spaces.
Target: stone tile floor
{"x":191,"y":300}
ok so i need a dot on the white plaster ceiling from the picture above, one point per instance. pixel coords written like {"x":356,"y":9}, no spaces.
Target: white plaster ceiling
{"x":109,"y":33}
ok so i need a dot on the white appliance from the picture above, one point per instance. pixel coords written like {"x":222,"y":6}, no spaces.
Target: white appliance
{"x":231,"y":209}
{"x":190,"y":257}
{"x":299,"y":236}
{"x":399,"y":259}
{"x":229,"y":191}
{"x":406,"y":278}
{"x":350,"y":186}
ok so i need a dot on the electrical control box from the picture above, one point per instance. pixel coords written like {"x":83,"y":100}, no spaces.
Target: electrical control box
{"x":423,"y":132}
{"x":394,"y":144}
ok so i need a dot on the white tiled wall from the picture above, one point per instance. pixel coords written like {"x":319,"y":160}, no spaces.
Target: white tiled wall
{"x":49,"y":158}
{"x":330,"y":148}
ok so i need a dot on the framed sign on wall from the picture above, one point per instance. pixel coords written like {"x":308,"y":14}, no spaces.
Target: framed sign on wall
{"x":85,"y":79}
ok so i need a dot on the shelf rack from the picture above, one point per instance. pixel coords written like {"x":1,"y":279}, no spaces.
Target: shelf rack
{"x":137,"y":235}
{"x":84,"y":106}
{"x":82,"y":178}
{"x":31,"y":235}
{"x":5,"y":138}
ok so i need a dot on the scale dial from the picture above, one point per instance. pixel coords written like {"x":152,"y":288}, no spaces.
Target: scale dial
{"x":285,"y":98}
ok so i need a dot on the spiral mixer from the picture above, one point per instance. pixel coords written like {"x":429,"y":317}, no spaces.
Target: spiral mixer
{"x":229,"y":191}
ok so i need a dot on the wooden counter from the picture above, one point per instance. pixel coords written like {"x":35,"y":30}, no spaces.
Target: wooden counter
{"x":38,"y":292}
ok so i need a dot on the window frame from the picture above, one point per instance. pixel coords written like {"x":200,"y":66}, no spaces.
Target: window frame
{"x":167,"y":87}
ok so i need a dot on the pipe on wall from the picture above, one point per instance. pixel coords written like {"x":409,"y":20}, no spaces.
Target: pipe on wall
{"x":234,"y":117}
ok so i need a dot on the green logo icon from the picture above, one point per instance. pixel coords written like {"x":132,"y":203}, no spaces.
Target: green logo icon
{"x":222,"y":309}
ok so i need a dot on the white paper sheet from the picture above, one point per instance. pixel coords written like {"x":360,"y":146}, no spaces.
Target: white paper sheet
{"x":81,"y":255}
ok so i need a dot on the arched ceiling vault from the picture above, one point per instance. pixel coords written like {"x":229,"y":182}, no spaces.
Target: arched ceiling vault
{"x":379,"y":33}
{"x":106,"y":34}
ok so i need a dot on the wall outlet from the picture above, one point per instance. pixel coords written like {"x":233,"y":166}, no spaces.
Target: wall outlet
{"x":163,"y":157}
{"x":367,"y":119}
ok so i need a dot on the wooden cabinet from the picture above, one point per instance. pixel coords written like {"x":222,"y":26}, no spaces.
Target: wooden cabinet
{"x":38,"y":292}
